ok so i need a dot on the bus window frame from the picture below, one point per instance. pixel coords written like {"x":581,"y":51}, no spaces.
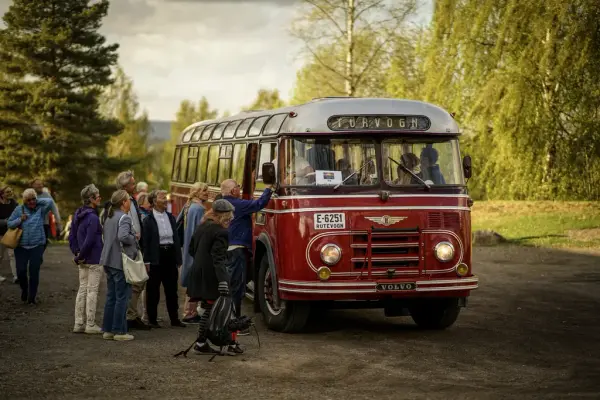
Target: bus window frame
{"x":215,"y":130}
{"x":258,"y":134}
{"x":233,"y":124}
{"x":195,"y":172}
{"x":238,"y":134}
{"x":259,"y":166}
{"x":176,"y":161}
{"x":187,"y":135}
{"x":200,"y":147}
{"x":378,"y":152}
{"x":272,"y":133}
{"x":218,"y":145}
{"x":208,"y":131}
{"x":197,"y":133}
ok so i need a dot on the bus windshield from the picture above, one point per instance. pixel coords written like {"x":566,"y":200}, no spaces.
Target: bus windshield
{"x":435,"y":162}
{"x":329,"y":162}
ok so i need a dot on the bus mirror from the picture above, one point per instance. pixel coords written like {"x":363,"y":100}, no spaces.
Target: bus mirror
{"x":268,"y":173}
{"x":467,"y":166}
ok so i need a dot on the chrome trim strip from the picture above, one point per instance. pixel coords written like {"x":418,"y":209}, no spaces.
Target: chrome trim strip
{"x":375,"y":259}
{"x":446,"y":288}
{"x":366,"y":196}
{"x":472,"y":279}
{"x":384,"y":245}
{"x":374,"y":290}
{"x":332,"y":209}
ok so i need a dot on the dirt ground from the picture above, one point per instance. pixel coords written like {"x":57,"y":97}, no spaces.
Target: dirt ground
{"x":531,"y":330}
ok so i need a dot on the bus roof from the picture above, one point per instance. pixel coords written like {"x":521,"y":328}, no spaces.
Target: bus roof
{"x":329,"y":115}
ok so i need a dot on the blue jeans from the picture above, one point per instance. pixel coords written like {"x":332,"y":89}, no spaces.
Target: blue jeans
{"x":29,"y":259}
{"x":238,"y":260}
{"x":118,"y":292}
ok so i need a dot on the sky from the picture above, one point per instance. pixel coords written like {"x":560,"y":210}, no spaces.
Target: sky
{"x":225,"y":50}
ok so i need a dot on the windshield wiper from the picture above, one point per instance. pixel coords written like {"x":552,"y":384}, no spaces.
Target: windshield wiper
{"x":405,"y":168}
{"x":352,"y":174}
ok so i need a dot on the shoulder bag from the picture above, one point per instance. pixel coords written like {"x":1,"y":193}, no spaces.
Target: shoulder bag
{"x":12,"y":237}
{"x":134,"y":270}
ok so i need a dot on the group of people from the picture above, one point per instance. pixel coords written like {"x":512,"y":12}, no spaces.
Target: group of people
{"x":33,"y":218}
{"x":206,"y":251}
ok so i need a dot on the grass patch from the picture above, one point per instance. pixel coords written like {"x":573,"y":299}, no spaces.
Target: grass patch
{"x":541,"y":223}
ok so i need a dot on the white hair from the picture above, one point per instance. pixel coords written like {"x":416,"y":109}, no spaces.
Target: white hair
{"x":29,"y":194}
{"x":123,"y":179}
{"x":141,"y":186}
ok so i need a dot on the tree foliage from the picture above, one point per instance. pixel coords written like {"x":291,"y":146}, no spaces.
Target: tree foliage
{"x":524,"y":78}
{"x":266,"y":100}
{"x":347,"y":41}
{"x":53,"y":65}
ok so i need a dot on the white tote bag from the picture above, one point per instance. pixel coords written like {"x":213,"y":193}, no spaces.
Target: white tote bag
{"x":135,"y":270}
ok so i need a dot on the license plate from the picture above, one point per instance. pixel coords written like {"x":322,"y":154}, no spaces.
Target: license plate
{"x":396,"y":287}
{"x":330,"y":221}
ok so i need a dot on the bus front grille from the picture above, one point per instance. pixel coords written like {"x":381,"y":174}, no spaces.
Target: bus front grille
{"x":389,"y":249}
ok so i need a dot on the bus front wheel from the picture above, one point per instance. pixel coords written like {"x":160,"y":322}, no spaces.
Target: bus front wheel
{"x":435,"y":313}
{"x":290,"y":316}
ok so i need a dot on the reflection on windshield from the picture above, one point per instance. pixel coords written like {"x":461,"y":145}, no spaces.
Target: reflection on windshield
{"x":435,"y":163}
{"x":328,"y":162}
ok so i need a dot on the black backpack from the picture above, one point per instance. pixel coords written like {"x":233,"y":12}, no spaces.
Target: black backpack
{"x":217,"y":330}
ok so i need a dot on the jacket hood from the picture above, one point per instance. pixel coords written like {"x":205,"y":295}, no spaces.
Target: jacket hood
{"x":83,"y":212}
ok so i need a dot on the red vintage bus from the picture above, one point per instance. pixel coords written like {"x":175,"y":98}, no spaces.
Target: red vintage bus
{"x":371,"y":208}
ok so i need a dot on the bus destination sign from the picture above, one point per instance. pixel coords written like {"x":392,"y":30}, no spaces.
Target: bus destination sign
{"x":378,"y":122}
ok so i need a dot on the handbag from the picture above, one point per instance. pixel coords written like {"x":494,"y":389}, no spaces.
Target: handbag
{"x":12,"y":237}
{"x":134,"y":270}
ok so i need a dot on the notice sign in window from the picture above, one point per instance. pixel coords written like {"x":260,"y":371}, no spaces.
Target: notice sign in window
{"x":330,"y":221}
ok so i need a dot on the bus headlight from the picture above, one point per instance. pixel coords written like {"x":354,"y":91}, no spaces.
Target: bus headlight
{"x":444,"y":251}
{"x":331,"y":254}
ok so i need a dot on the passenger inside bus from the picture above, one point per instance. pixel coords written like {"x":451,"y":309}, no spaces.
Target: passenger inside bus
{"x":320,"y":156}
{"x":368,"y":176}
{"x":430,"y":170}
{"x":345,"y":167}
{"x":410,"y":161}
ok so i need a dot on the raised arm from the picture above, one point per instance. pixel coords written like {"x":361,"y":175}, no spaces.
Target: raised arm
{"x":245,"y":207}
{"x":47,"y":205}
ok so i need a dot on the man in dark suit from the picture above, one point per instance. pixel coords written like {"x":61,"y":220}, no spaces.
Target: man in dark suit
{"x":162,"y":258}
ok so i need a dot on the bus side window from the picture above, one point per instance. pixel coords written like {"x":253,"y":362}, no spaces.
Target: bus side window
{"x":225,"y":162}
{"x":239,"y":156}
{"x":176,"y":161}
{"x":202,"y":159}
{"x":213,"y":165}
{"x":268,"y":153}
{"x":183,"y":163}
{"x":192,"y":164}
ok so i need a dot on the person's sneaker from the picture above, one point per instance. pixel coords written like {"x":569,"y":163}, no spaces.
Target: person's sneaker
{"x":154,"y":325}
{"x":250,"y":286}
{"x":191,"y":320}
{"x":178,"y":324}
{"x":108,"y":336}
{"x":244,"y":332}
{"x":79,"y":329}
{"x":2,"y":279}
{"x":93,"y":330}
{"x":15,"y":280}
{"x":204,"y":348}
{"x":123,"y":337}
{"x":234,"y":349}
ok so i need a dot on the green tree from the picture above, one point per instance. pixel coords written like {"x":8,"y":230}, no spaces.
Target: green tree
{"x":347,"y":41}
{"x":131,"y":146}
{"x":266,"y":100}
{"x":54,"y":64}
{"x":525,"y":82}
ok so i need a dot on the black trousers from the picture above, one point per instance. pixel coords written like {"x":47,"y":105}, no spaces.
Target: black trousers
{"x":166,"y":273}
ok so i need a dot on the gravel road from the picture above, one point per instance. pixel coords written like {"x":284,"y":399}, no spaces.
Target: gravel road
{"x":531,"y":331}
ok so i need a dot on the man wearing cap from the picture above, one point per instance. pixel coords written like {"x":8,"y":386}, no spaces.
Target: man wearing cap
{"x":240,"y":237}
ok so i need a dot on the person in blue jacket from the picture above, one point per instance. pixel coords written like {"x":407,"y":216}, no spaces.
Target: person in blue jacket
{"x":240,"y":237}
{"x":28,"y":254}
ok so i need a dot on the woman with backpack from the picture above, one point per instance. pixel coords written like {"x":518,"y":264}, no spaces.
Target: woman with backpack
{"x":208,"y":278}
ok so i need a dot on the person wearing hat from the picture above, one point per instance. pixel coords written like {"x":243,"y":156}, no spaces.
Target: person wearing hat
{"x":85,"y":241}
{"x":208,"y":278}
